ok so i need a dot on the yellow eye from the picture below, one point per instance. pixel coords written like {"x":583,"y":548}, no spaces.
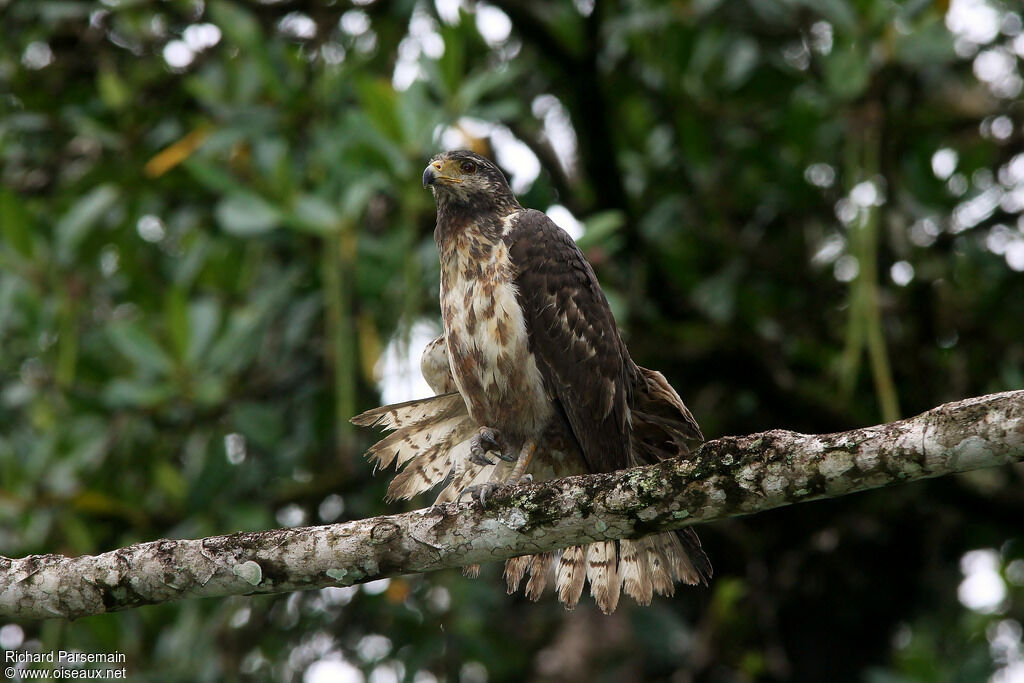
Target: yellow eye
{"x":468,"y":167}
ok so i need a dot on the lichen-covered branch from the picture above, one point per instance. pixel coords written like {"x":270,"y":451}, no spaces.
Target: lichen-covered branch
{"x":727,"y":477}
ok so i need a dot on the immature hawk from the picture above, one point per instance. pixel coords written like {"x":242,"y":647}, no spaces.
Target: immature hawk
{"x":531,"y":369}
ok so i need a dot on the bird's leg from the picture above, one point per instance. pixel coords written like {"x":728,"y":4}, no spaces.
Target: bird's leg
{"x":487,"y":439}
{"x":517,"y":476}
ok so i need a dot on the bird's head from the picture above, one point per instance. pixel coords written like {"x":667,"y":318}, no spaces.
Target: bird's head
{"x":468,"y":179}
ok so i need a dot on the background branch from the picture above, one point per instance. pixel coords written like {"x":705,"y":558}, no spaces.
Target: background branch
{"x":727,"y":477}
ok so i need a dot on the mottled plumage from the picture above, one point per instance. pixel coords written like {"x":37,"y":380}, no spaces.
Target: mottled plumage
{"x":531,"y":368}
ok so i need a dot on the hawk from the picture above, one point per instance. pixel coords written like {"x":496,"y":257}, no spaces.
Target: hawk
{"x":533,"y":382}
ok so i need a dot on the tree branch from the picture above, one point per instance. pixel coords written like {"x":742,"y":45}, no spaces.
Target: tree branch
{"x":727,"y":477}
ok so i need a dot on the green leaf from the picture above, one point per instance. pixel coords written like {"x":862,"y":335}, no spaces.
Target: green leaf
{"x":476,"y":87}
{"x":237,"y":345}
{"x":132,"y":393}
{"x":716,"y":296}
{"x":740,"y":62}
{"x":238,"y":24}
{"x":76,"y":533}
{"x":15,"y":222}
{"x":378,"y":102}
{"x":112,"y":89}
{"x":314,"y":214}
{"x":176,"y":311}
{"x":138,"y":346}
{"x":600,"y":228}
{"x":243,"y":29}
{"x":930,"y":43}
{"x":259,"y":422}
{"x":358,"y":195}
{"x":74,"y":225}
{"x":209,"y":390}
{"x":448,"y":69}
{"x":212,"y":176}
{"x":847,"y":71}
{"x":204,"y":319}
{"x":168,"y":479}
{"x":837,"y":12}
{"x":247,"y":215}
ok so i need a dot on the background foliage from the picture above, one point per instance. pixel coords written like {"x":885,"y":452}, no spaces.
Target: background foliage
{"x":807,"y":214}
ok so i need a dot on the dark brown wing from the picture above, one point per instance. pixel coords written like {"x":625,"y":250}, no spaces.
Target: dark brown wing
{"x":574,"y":338}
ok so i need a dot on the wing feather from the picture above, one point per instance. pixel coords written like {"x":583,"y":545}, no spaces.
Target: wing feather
{"x":574,"y":338}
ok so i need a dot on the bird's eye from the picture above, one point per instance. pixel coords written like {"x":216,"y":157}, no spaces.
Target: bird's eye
{"x":468,"y":167}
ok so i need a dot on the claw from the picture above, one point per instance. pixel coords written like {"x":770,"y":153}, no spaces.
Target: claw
{"x":504,"y":456}
{"x":487,"y":440}
{"x":479,"y":458}
{"x":479,"y":491}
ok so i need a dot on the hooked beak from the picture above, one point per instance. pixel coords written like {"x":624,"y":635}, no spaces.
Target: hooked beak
{"x":432,"y":174}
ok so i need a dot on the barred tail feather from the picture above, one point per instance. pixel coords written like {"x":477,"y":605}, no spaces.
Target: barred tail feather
{"x":654,"y":563}
{"x":515,"y":570}
{"x":409,"y":413}
{"x":466,"y":474}
{"x":569,"y":577}
{"x":648,"y":565}
{"x":426,"y":470}
{"x":640,"y":568}
{"x":408,"y":442}
{"x":602,"y":572}
{"x":661,"y":570}
{"x":636,"y":574}
{"x":540,"y":568}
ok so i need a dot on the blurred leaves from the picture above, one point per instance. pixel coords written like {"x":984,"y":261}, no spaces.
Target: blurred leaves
{"x":73,"y":227}
{"x":246,"y":215}
{"x":15,"y":222}
{"x":847,"y":71}
{"x":139,"y":347}
{"x":212,"y":225}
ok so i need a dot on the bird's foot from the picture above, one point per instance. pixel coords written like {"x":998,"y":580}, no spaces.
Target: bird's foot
{"x":481,"y":492}
{"x":487,"y":440}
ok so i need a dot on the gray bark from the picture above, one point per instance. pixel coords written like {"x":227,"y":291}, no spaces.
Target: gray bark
{"x":727,"y":477}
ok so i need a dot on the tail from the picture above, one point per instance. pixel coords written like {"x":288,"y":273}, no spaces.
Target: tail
{"x":639,"y":568}
{"x":429,"y":439}
{"x":654,"y":563}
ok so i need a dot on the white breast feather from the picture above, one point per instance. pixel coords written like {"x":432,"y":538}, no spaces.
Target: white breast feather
{"x":491,"y":373}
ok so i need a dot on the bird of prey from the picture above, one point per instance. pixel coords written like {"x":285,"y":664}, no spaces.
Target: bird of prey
{"x":533,"y":381}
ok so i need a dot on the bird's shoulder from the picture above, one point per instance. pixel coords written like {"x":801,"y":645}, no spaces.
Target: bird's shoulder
{"x":530,"y":228}
{"x":544,"y":253}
